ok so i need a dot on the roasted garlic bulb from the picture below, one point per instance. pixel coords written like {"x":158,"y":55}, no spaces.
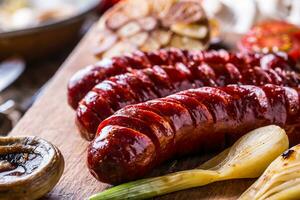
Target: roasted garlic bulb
{"x":151,"y":24}
{"x":29,"y":167}
{"x":280,"y":181}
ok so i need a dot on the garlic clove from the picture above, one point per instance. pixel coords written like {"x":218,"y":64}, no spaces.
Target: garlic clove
{"x":186,"y":43}
{"x":150,"y":45}
{"x":105,"y":43}
{"x":136,"y":8}
{"x":188,"y":11}
{"x":190,"y":30}
{"x":161,"y":36}
{"x":139,"y":39}
{"x":148,"y":23}
{"x":116,"y":20}
{"x":120,"y":48}
{"x":129,"y":29}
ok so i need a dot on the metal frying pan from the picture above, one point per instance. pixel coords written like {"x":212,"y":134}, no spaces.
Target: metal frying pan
{"x":42,"y":40}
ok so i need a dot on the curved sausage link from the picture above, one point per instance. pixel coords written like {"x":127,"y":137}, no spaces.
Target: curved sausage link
{"x":139,"y":137}
{"x":84,"y":80}
{"x":142,"y":85}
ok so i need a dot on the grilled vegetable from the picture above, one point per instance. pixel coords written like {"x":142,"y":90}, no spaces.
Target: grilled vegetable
{"x":150,"y":25}
{"x":280,"y":181}
{"x":29,"y":167}
{"x":272,"y":36}
{"x":247,"y":158}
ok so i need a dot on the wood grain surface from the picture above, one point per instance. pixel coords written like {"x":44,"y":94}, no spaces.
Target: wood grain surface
{"x":52,"y":119}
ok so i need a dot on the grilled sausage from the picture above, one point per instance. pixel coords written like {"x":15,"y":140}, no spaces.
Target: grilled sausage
{"x":139,"y":137}
{"x":142,"y":85}
{"x":84,"y":80}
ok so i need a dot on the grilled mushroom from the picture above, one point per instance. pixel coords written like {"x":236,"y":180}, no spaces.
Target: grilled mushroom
{"x":29,"y":167}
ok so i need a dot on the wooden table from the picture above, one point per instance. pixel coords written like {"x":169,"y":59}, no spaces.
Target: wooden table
{"x":52,"y":119}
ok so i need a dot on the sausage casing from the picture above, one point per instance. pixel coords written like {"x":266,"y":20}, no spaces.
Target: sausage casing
{"x":159,"y":81}
{"x":139,"y":137}
{"x":84,"y":80}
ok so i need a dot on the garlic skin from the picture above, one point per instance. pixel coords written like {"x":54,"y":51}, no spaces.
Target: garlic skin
{"x":239,"y":16}
{"x":272,"y":9}
{"x":294,"y":16}
{"x":234,"y":15}
{"x":281,"y":180}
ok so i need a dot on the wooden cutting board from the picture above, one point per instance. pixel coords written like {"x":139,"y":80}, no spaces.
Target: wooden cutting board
{"x":52,"y":119}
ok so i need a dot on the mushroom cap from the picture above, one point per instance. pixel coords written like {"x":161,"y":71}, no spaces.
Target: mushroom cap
{"x":29,"y":167}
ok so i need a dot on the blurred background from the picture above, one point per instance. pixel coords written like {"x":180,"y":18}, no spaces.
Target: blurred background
{"x":37,"y":36}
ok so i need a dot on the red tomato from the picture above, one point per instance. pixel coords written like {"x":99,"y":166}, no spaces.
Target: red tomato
{"x":272,"y":36}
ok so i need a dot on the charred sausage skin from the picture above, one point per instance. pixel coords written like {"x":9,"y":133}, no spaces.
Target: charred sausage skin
{"x":84,"y":80}
{"x":139,"y":137}
{"x":219,"y":69}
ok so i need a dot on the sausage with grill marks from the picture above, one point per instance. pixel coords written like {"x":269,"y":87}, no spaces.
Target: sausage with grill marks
{"x":141,"y":85}
{"x":84,"y":80}
{"x":139,"y":137}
